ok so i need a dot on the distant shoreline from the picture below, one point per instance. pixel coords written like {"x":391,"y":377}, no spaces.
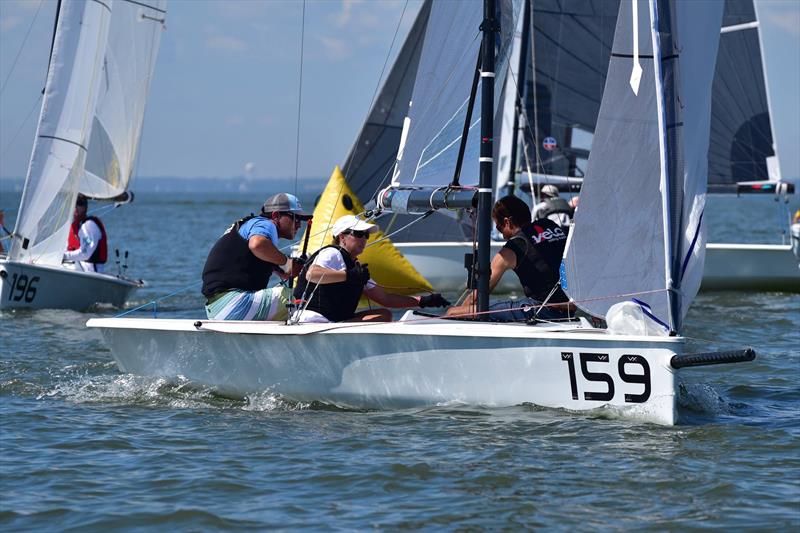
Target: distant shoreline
{"x":303,"y":186}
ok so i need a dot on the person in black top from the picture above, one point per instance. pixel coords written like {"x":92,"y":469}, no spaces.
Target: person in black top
{"x":533,"y":251}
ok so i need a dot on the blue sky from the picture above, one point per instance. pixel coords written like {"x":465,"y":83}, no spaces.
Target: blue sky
{"x":226,"y":83}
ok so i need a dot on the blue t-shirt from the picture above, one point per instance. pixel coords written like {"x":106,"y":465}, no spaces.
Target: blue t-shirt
{"x":259,"y":226}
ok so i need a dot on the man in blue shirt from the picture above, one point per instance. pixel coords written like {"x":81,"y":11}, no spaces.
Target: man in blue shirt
{"x":241,"y":262}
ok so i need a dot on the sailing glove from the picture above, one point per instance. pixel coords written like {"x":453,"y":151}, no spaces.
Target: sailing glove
{"x":433,"y":300}
{"x":358,"y":275}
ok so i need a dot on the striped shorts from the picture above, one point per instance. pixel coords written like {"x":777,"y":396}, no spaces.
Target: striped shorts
{"x":266,"y":304}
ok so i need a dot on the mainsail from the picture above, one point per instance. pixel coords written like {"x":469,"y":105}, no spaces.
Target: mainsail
{"x":91,"y":120}
{"x":128,"y":66}
{"x":742,"y":145}
{"x":643,"y":199}
{"x":568,"y":74}
{"x":63,"y":133}
{"x":441,"y":95}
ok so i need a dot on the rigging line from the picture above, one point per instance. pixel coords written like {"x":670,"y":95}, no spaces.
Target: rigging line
{"x":299,"y":97}
{"x":435,"y":99}
{"x":388,"y":235}
{"x":153,"y":302}
{"x":374,"y":97}
{"x":298,"y":313}
{"x":369,"y":109}
{"x":21,"y":47}
{"x":21,"y":126}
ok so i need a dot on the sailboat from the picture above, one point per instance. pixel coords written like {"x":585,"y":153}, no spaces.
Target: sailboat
{"x":423,"y":360}
{"x":560,"y":81}
{"x":86,"y":142}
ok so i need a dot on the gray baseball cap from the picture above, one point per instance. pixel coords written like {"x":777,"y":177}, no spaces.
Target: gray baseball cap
{"x":285,"y":203}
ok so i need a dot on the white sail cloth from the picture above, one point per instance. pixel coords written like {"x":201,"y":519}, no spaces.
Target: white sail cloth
{"x":638,"y":231}
{"x":128,"y":67}
{"x":63,"y":132}
{"x":441,"y":93}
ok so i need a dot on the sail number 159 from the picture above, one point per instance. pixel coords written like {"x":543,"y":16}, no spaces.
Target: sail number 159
{"x":607,"y":395}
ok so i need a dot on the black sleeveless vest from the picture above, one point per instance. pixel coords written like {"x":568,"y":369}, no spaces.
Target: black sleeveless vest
{"x":231,"y":264}
{"x":554,"y":206}
{"x":539,"y":247}
{"x":334,"y":301}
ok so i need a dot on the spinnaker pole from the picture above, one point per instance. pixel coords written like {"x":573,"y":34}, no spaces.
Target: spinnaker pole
{"x":485,"y":186}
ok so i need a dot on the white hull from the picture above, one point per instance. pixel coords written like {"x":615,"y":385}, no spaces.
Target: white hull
{"x":727,"y":266}
{"x":407,"y":364}
{"x":758,"y":267}
{"x":30,"y":286}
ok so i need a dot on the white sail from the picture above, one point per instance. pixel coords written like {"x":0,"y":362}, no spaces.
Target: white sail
{"x":508,"y":107}
{"x":63,"y":133}
{"x":442,"y":89}
{"x":128,"y":66}
{"x":638,"y":232}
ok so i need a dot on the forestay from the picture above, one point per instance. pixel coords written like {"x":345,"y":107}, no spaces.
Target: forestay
{"x":638,"y":232}
{"x":63,"y":132}
{"x":127,"y":70}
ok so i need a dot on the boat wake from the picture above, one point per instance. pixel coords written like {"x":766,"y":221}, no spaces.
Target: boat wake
{"x":129,"y":389}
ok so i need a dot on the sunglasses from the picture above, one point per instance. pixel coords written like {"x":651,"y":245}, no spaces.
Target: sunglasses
{"x":357,"y":233}
{"x":295,"y":218}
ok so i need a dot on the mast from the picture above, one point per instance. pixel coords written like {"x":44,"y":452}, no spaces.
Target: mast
{"x":489,"y":27}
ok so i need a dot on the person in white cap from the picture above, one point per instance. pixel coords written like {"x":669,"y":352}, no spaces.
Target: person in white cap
{"x":241,"y":262}
{"x":332,"y":282}
{"x":553,"y":207}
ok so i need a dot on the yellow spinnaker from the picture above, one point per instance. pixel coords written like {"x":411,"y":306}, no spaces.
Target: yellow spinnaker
{"x":387,"y":265}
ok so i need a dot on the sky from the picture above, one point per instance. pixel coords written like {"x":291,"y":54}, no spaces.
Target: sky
{"x":225,"y":91}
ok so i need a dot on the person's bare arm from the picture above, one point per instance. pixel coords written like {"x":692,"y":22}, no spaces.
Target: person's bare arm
{"x":388,"y":299}
{"x":323,"y":276}
{"x":265,"y":250}
{"x":504,"y":260}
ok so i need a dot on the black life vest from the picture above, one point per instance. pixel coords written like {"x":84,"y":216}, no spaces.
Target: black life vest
{"x":555,"y":206}
{"x":334,"y":301}
{"x":231,"y":264}
{"x":539,"y":247}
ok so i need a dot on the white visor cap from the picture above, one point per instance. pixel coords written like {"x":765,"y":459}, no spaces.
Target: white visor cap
{"x":351,"y":222}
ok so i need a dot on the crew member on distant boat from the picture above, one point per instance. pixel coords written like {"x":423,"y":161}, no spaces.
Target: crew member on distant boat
{"x":553,"y":207}
{"x":241,"y":262}
{"x":87,"y":245}
{"x":533,"y":251}
{"x":332,"y":282}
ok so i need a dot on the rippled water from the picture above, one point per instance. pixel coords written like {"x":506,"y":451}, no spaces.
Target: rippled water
{"x":85,"y":447}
